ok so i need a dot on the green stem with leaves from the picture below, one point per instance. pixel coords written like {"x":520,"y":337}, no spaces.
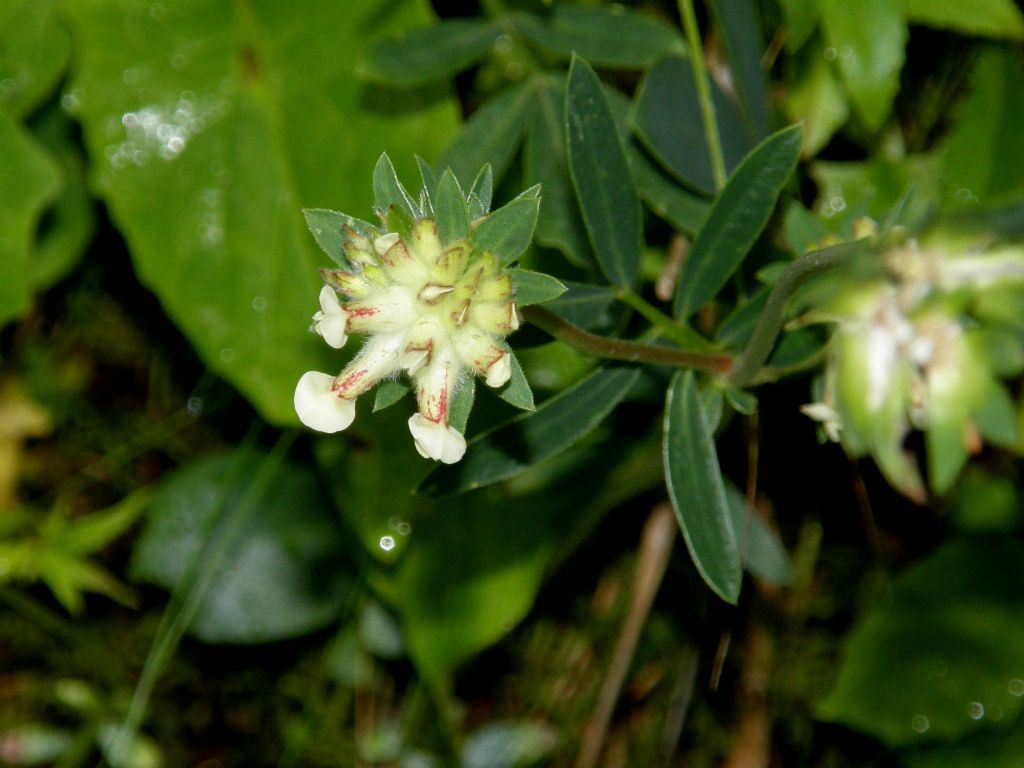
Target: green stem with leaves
{"x":707,"y":105}
{"x":622,"y":349}
{"x":769,"y":324}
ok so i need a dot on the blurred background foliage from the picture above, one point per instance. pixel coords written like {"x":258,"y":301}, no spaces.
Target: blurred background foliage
{"x":187,"y":580}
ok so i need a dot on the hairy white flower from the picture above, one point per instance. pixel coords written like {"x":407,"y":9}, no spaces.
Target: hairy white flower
{"x":435,"y":440}
{"x":331,"y":321}
{"x":320,"y":406}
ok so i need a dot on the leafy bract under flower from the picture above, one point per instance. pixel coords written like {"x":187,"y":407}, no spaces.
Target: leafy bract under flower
{"x":433,"y":308}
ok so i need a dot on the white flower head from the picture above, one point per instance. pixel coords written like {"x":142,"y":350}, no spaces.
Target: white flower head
{"x":430,"y":310}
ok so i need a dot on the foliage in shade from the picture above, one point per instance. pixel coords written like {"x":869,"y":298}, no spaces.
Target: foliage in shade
{"x":428,"y":53}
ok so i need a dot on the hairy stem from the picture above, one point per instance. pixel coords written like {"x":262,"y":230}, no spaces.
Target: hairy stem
{"x":749,"y":363}
{"x":620,"y":349}
{"x":707,"y":106}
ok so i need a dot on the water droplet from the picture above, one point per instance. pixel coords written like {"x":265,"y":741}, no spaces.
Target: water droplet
{"x":837,"y":203}
{"x":227,"y":355}
{"x":179,"y":61}
{"x":975,"y":710}
{"x":194,"y":406}
{"x":846,"y":52}
{"x":71,"y":101}
{"x":831,"y":54}
{"x":920,"y":723}
{"x":514,"y":70}
{"x":1017,"y":687}
{"x":259,"y":303}
{"x":503,"y":44}
{"x":157,"y":12}
{"x":131,"y":76}
{"x":387,"y":543}
{"x":403,"y":528}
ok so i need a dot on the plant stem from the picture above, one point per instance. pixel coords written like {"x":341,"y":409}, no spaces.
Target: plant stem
{"x":707,"y":106}
{"x":748,"y":364}
{"x":682,"y":335}
{"x":621,"y":349}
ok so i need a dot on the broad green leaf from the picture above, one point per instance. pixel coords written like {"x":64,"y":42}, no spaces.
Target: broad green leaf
{"x":867,"y":42}
{"x":514,"y":447}
{"x":983,"y":153}
{"x":614,"y":37}
{"x":667,"y":120}
{"x":817,"y":99}
{"x":490,"y":136}
{"x":450,"y":209}
{"x":481,"y":193}
{"x":328,"y":229}
{"x":428,"y":53}
{"x":934,"y":661}
{"x":387,"y":393}
{"x":560,"y":224}
{"x":601,"y":177}
{"x":28,"y":182}
{"x":990,"y":18}
{"x":737,"y":19}
{"x":508,"y":231}
{"x":34,"y":52}
{"x":68,"y":225}
{"x":175,"y":106}
{"x":281,"y":573}
{"x":697,"y":491}
{"x":736,"y":219}
{"x":534,"y":287}
{"x":389,"y":192}
{"x":678,"y":206}
{"x":588,"y":306}
{"x":517,"y":392}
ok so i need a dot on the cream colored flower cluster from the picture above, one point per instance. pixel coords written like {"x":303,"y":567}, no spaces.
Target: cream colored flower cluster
{"x":431,"y":310}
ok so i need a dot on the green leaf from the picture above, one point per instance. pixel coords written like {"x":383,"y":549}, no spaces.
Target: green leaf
{"x":557,"y":424}
{"x":600,"y":175}
{"x":816,"y":98}
{"x":801,"y":20}
{"x":280,"y":574}
{"x":428,"y":53}
{"x":508,"y":231}
{"x":989,"y":18}
{"x":91,"y":533}
{"x":932,"y":662}
{"x":509,"y":744}
{"x":983,"y":154}
{"x":560,"y":224}
{"x":490,"y":136}
{"x":450,"y":209}
{"x":667,"y":120}
{"x":697,"y":491}
{"x":534,"y":287}
{"x":737,"y":20}
{"x":216,"y":235}
{"x":867,"y":40}
{"x":481,"y":193}
{"x":387,"y":393}
{"x":737,"y":217}
{"x":588,"y":306}
{"x":28,"y":182}
{"x":614,"y":37}
{"x":763,"y":554}
{"x":680,"y":207}
{"x":328,"y":229}
{"x":34,"y":52}
{"x":517,"y":392}
{"x":429,"y":180}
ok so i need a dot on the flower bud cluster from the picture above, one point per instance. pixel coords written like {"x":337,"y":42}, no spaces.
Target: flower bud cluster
{"x":431,"y":310}
{"x":922,"y":347}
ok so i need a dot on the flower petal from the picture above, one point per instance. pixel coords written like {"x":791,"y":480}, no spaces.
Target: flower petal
{"x":319,"y":407}
{"x":332,"y":327}
{"x":436,"y":441}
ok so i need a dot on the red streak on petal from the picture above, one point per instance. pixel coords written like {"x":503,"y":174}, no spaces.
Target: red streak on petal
{"x":349,"y":381}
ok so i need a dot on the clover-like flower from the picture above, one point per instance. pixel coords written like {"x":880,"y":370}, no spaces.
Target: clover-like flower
{"x":433,"y":305}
